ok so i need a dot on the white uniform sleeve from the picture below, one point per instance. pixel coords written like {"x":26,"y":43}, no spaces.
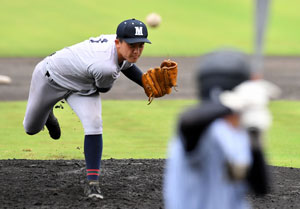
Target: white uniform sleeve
{"x":234,"y":143}
{"x":104,"y":76}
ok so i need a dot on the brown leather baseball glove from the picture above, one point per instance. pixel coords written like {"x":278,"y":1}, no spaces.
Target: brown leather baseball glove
{"x":159,"y":81}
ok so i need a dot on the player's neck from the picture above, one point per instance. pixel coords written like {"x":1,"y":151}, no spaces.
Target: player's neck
{"x":120,"y":60}
{"x":233,"y":119}
{"x":121,"y":63}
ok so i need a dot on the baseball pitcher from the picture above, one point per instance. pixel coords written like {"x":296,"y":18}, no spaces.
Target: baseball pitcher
{"x":80,"y":74}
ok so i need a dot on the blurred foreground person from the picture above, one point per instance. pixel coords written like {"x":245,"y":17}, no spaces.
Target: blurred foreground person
{"x":216,"y":156}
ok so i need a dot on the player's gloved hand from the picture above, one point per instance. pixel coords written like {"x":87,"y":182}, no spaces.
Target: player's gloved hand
{"x":158,"y":81}
{"x":170,"y":71}
{"x":250,"y":99}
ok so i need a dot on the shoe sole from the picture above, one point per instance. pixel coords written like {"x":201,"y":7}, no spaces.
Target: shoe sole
{"x":97,"y":196}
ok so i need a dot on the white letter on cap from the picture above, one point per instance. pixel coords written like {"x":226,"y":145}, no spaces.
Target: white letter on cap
{"x":138,"y":31}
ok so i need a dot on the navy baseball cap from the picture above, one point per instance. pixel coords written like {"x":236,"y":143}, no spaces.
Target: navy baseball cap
{"x":133,"y":31}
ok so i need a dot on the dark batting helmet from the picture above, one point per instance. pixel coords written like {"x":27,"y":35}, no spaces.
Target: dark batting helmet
{"x":221,"y":70}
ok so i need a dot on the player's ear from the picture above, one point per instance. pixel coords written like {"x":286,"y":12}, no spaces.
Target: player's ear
{"x":117,"y":42}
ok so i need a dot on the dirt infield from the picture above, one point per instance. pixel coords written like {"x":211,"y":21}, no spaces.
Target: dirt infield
{"x":126,"y":184}
{"x":130,"y":183}
{"x":283,"y":71}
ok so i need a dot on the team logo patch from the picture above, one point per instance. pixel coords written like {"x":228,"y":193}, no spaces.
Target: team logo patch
{"x":138,"y":31}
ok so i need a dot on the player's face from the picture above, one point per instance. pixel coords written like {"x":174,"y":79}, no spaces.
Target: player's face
{"x":129,"y":52}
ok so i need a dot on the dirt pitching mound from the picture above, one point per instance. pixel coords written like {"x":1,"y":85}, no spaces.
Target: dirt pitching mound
{"x":125,"y":184}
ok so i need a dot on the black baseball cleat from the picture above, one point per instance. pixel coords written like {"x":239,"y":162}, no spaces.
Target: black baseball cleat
{"x":53,"y":126}
{"x":92,"y":190}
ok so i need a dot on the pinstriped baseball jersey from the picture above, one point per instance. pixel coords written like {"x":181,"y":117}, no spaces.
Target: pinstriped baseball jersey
{"x":85,"y":66}
{"x":200,"y":180}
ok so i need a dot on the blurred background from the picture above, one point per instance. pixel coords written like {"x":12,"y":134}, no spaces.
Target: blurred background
{"x":35,"y":28}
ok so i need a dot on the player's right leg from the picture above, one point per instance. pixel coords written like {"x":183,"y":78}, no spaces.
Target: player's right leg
{"x":88,"y":109}
{"x":43,"y":95}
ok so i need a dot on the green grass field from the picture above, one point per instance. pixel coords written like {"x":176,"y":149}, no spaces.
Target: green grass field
{"x":38,"y":28}
{"x":142,"y":132}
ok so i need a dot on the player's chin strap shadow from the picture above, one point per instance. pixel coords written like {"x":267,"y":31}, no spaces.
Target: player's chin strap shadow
{"x":214,"y":94}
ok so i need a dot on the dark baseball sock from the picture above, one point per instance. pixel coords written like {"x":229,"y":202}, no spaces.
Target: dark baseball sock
{"x":93,"y":153}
